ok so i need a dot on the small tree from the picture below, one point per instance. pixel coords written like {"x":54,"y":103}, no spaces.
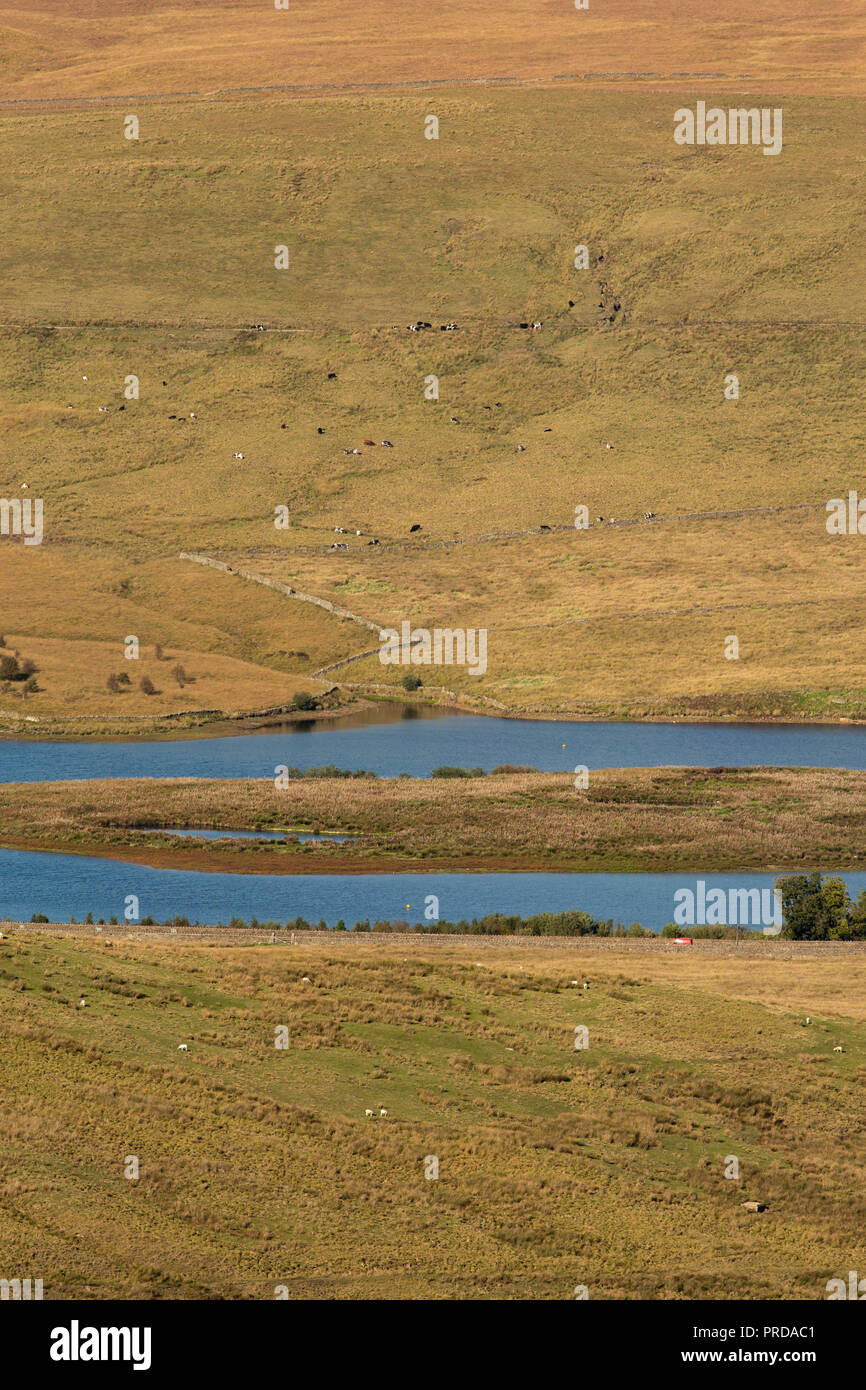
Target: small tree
{"x":146,"y":686}
{"x":157,"y":651}
{"x":180,"y":675}
{"x":31,"y":686}
{"x":411,"y":681}
{"x":8,"y":668}
{"x":113,"y":684}
{"x":302,"y":699}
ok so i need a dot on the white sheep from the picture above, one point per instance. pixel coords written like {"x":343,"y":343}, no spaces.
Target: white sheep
{"x":838,"y":1049}
{"x":82,"y":1003}
{"x":369,"y":1114}
{"x":384,"y":1113}
{"x":183,"y":1048}
{"x":305,"y":980}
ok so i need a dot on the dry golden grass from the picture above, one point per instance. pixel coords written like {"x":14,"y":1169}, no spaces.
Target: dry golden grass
{"x":72,"y":680}
{"x":658,"y":820}
{"x":558,"y":1167}
{"x":97,"y":47}
{"x":719,"y":259}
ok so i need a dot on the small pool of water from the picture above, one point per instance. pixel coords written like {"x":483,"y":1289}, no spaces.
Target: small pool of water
{"x":304,"y":836}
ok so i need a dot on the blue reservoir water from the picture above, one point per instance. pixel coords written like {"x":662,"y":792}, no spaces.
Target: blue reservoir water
{"x":64,"y":886}
{"x":417,"y":745}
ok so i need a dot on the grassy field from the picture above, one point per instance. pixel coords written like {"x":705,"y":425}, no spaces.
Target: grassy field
{"x":658,"y":820}
{"x":703,"y":262}
{"x":602,"y":1167}
{"x":97,"y":48}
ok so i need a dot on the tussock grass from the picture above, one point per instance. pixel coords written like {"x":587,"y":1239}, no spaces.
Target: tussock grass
{"x":557,"y":1167}
{"x":720,"y":259}
{"x":660,"y":819}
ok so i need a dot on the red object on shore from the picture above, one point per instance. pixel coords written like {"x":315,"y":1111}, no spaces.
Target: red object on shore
{"x":682,"y":941}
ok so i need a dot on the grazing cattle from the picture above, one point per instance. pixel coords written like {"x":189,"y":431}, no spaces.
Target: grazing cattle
{"x":616,"y":308}
{"x":386,"y":444}
{"x":454,"y":420}
{"x":370,"y":443}
{"x":237,"y":456}
{"x":383,"y":1111}
{"x":332,"y":376}
{"x":183,"y":1048}
{"x":165,"y":383}
{"x":372,"y":542}
{"x":414,"y":527}
{"x":523,"y":325}
{"x":586,"y":984}
{"x":172,"y":417}
{"x":121,"y":407}
{"x":608,"y":446}
{"x":571,"y":304}
{"x":82,"y":1003}
{"x":354,"y":451}
{"x":282,"y":427}
{"x":497,"y":402}
{"x":544,"y":528}
{"x":369,"y":1114}
{"x":521,"y":448}
{"x":838,"y":1049}
{"x":599,"y":518}
{"x":359,"y":533}
{"x":192,"y":414}
{"x":340,"y":530}
{"x":319,"y":430}
{"x":536,"y":325}
{"x":339,"y":545}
